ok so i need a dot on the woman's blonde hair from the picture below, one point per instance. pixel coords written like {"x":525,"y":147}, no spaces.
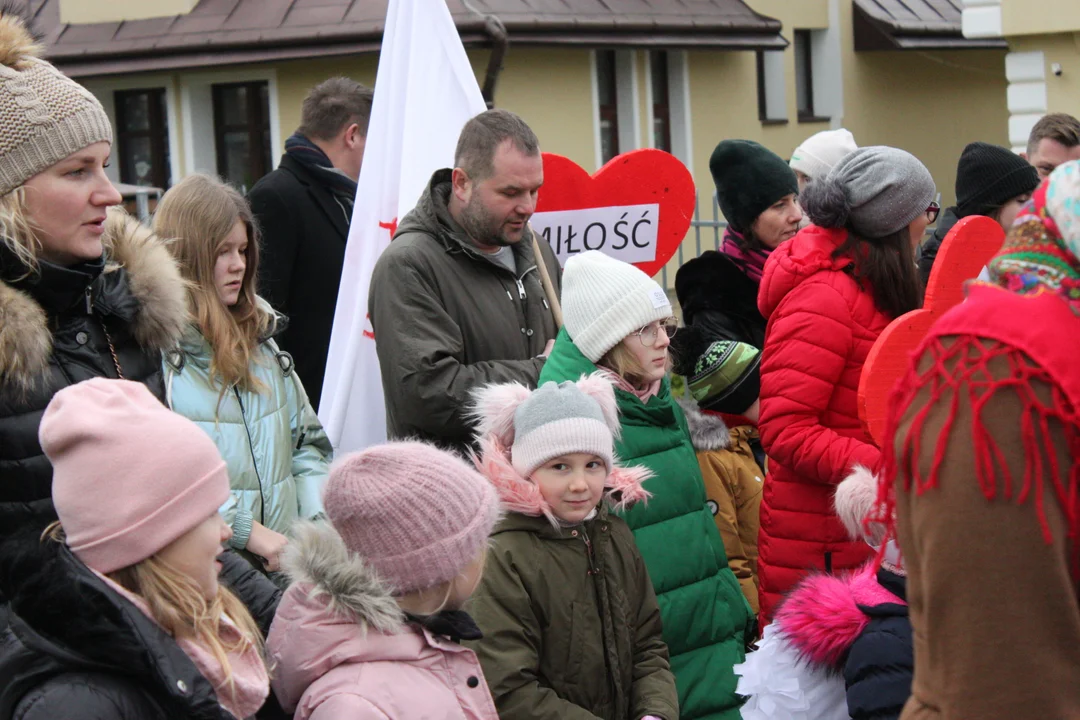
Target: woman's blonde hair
{"x":194,"y":218}
{"x":622,"y":362}
{"x":177,"y":604}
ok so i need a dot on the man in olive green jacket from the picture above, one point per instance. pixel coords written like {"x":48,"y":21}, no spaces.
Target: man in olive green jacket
{"x":456,"y":301}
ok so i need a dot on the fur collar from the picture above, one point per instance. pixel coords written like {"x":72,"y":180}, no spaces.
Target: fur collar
{"x":707,"y":431}
{"x":317,"y":557}
{"x":153,"y":279}
{"x":520,"y":495}
{"x":823,"y":615}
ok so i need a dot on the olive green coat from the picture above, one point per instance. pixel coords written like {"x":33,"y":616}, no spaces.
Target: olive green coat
{"x":707,"y":621}
{"x":571,"y":625}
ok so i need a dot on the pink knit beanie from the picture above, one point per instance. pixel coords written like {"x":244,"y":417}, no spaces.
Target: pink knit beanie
{"x":418,"y":515}
{"x":129,"y":475}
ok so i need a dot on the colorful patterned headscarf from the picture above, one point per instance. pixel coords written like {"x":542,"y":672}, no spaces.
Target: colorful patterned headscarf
{"x":1042,"y":250}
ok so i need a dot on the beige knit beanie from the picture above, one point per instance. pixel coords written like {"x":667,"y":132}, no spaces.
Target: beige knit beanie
{"x":605,"y":299}
{"x":45,"y":116}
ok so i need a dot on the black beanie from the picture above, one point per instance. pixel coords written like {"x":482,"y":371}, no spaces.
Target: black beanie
{"x":989,"y":176}
{"x":749,"y":179}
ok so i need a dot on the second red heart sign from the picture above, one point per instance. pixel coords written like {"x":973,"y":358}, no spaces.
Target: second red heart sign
{"x":636,"y":208}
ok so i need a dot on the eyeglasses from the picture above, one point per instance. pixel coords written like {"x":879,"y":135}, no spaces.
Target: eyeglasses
{"x":932,"y":212}
{"x":648,"y":334}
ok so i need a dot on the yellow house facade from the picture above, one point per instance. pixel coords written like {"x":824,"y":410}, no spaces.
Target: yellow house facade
{"x":1042,"y":67}
{"x":223,"y":98}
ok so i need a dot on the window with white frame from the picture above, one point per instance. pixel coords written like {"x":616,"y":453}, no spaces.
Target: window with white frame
{"x":615,"y":99}
{"x":668,"y":103}
{"x":811,"y":97}
{"x":771,"y":87}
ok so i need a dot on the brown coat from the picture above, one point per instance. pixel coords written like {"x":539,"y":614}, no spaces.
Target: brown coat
{"x":994,"y":606}
{"x":733,"y":485}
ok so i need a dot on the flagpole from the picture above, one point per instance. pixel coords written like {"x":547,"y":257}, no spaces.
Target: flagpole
{"x":545,"y":280}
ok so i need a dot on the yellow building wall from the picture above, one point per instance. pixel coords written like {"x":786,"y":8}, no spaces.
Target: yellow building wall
{"x":1021,"y":17}
{"x":95,"y":11}
{"x":1062,"y":92}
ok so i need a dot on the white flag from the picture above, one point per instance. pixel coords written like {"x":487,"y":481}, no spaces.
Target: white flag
{"x":425,"y":92}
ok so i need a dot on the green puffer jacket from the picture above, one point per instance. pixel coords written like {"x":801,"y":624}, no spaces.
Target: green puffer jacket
{"x":707,"y":620}
{"x":274,"y":445}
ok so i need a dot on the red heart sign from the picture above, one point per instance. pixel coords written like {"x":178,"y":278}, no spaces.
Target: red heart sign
{"x":964,"y":252}
{"x":637,"y":178}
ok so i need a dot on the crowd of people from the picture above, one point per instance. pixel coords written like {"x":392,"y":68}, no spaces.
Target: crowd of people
{"x":592,"y":505}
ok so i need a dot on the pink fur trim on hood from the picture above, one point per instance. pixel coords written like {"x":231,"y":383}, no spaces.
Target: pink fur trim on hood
{"x":821,"y":616}
{"x":518,"y":494}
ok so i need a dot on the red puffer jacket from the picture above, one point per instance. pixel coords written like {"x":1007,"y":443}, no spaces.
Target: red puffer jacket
{"x":821,"y":326}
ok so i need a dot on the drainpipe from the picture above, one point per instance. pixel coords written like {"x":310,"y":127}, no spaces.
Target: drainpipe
{"x":500,"y":43}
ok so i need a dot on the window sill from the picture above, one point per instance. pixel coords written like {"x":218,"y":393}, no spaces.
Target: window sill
{"x":813,"y":119}
{"x":774,"y":121}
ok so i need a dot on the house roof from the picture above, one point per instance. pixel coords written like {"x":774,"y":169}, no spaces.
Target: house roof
{"x":220,"y":32}
{"x":913,"y":25}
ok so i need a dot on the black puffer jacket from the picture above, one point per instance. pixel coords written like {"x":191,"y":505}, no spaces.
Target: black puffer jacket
{"x":881,"y":662}
{"x":71,"y":647}
{"x":717,"y":297}
{"x":53,"y":334}
{"x":928,"y":250}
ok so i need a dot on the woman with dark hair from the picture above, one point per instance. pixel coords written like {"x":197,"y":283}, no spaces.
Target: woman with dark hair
{"x":757,"y":193}
{"x":991,"y":181}
{"x":827,"y":295}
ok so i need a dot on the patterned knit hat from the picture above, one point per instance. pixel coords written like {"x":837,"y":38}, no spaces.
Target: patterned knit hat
{"x":1042,"y":250}
{"x":418,"y":515}
{"x":44,"y":115}
{"x":721,"y":375}
{"x":605,"y":299}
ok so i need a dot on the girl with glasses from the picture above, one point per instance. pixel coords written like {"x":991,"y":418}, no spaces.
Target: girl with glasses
{"x":619,"y":320}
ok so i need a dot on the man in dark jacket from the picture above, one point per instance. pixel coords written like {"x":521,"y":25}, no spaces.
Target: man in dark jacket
{"x":304,"y":208}
{"x":456,"y":301}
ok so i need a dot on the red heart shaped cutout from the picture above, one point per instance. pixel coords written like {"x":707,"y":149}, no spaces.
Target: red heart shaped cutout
{"x":635,"y":178}
{"x":966,"y":249}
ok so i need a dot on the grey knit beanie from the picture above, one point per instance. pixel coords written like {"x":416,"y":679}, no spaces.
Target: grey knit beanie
{"x":44,"y":115}
{"x":876,"y":191}
{"x":559,"y":419}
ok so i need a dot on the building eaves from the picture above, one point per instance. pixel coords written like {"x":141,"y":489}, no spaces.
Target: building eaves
{"x":220,"y":32}
{"x":913,"y":25}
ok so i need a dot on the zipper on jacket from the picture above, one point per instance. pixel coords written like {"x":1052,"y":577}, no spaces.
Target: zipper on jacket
{"x":593,"y":570}
{"x":521,"y":289}
{"x":254,"y":460}
{"x":89,"y":302}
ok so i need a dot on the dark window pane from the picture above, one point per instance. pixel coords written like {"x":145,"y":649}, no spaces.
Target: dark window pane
{"x":607,"y":96}
{"x":242,"y":132}
{"x":134,"y":111}
{"x":804,"y":83}
{"x":237,"y":157}
{"x":658,"y":70}
{"x":138,"y":161}
{"x":605,"y":76}
{"x":234,"y":105}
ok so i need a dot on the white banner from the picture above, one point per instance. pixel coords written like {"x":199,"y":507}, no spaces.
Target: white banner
{"x":425,"y":92}
{"x":626,"y":232}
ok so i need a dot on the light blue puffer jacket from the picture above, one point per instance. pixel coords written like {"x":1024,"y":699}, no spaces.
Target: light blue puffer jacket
{"x":275,"y":447}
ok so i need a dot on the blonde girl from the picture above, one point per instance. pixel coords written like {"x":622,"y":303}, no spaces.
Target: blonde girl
{"x":229,"y":376}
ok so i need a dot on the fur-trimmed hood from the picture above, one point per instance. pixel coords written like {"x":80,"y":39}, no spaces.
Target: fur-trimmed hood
{"x":520,"y":495}
{"x":154,"y":288}
{"x":707,"y":431}
{"x":823,"y":615}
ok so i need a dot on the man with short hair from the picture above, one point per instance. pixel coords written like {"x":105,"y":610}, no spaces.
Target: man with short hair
{"x":1054,"y":140}
{"x":304,"y":208}
{"x":456,"y":301}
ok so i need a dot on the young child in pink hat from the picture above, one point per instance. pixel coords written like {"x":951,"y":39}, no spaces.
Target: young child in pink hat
{"x":570,"y":620}
{"x":371,"y":626}
{"x":116,"y":611}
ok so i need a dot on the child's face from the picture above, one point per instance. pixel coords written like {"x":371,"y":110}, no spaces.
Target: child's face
{"x":572,"y":484}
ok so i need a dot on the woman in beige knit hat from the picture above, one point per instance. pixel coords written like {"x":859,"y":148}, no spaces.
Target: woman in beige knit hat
{"x":85,"y":291}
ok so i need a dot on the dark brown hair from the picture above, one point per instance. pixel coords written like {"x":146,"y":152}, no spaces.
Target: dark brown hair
{"x":334,"y":104}
{"x":482,"y":136}
{"x":1061,"y":127}
{"x":887,"y":266}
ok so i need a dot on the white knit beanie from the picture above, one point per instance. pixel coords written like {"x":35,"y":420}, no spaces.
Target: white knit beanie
{"x":605,"y":299}
{"x":820,"y":152}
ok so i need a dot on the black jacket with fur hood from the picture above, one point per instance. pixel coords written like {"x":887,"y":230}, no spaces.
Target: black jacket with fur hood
{"x":71,"y":647}
{"x":55,"y":330}
{"x":718,"y":297}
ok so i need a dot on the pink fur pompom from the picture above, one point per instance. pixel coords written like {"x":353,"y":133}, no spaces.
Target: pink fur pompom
{"x":624,"y":487}
{"x":494,"y":407}
{"x":599,"y":388}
